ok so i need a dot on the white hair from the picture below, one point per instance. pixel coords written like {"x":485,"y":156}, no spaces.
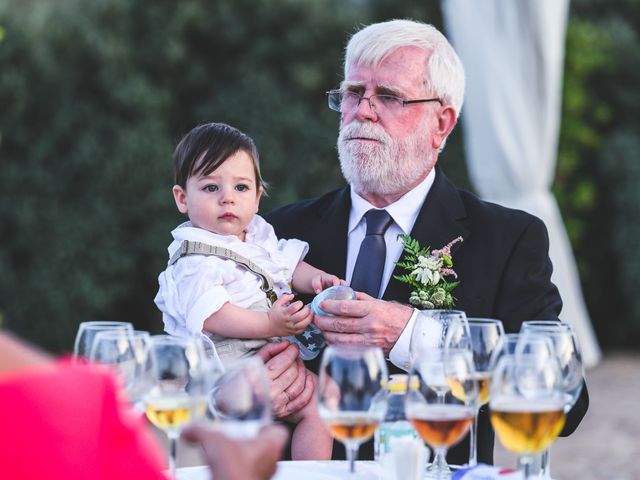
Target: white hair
{"x":445,"y":73}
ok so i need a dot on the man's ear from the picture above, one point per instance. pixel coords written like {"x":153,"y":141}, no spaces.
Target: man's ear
{"x":180,"y":196}
{"x":446,"y":122}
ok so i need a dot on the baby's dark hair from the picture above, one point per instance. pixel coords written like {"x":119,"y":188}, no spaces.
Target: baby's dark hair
{"x":207,"y":146}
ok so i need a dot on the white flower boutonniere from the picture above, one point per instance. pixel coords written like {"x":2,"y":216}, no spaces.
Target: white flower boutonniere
{"x":428,"y":272}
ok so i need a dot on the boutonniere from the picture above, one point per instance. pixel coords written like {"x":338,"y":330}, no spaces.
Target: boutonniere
{"x":428,"y":273}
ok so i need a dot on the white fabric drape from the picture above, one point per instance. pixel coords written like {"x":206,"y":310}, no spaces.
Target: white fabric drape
{"x":513,"y":52}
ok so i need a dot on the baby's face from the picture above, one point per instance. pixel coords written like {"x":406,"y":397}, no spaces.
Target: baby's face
{"x":225,"y":201}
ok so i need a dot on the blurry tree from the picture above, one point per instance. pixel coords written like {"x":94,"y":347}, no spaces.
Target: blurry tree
{"x":94,"y":94}
{"x":598,"y":167}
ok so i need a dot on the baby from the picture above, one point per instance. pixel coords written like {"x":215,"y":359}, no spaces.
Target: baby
{"x":228,"y":276}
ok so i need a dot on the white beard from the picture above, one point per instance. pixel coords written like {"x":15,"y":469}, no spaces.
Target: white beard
{"x":384,"y":167}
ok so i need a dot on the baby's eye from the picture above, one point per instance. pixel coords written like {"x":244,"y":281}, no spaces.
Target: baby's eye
{"x":211,"y":188}
{"x":242,"y":187}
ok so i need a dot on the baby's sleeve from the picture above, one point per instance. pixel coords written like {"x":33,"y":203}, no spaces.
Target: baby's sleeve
{"x":193,"y":290}
{"x":292,"y":251}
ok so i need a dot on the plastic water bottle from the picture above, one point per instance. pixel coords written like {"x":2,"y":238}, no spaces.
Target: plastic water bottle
{"x":395,"y":423}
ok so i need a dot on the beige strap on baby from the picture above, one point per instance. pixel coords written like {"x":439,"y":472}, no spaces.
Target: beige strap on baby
{"x":200,"y":248}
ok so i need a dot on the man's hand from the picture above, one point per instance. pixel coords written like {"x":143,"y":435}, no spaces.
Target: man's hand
{"x":288,"y":318}
{"x":363,"y":321}
{"x":239,"y":460}
{"x":291,"y":386}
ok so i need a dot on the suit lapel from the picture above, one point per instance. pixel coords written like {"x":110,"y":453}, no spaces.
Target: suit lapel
{"x":329,"y":244}
{"x":440,"y":220}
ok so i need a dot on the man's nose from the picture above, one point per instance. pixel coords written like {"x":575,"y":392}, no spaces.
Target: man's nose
{"x":366,"y":109}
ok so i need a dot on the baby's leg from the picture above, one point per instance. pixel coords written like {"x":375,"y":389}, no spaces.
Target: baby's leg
{"x":311,"y":439}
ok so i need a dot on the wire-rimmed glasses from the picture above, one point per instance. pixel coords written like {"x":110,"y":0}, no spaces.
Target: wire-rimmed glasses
{"x":352,"y":395}
{"x":348,"y":100}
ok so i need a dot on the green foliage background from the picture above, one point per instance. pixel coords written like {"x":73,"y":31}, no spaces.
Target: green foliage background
{"x":94,"y":94}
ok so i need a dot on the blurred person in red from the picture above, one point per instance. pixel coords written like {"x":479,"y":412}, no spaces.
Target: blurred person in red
{"x":66,"y":421}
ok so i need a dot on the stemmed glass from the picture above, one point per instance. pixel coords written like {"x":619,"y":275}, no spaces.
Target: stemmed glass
{"x":352,"y":398}
{"x":87,"y":332}
{"x":486,"y":337}
{"x":527,"y":405}
{"x":567,"y":352}
{"x":177,"y":393}
{"x":442,"y":421}
{"x":240,"y":399}
{"x":437,"y":329}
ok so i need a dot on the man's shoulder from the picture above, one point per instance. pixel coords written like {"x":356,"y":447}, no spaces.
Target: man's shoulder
{"x":304,"y":210}
{"x":491,"y":215}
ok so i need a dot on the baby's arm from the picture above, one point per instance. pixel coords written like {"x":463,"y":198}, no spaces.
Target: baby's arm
{"x":282,"y":319}
{"x":309,"y":279}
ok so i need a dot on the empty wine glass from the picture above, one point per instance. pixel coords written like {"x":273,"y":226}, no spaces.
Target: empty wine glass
{"x":177,"y":393}
{"x":486,"y":337}
{"x":437,"y":329}
{"x":526,"y":406}
{"x":567,"y":351}
{"x":352,"y":398}
{"x":442,"y":421}
{"x":87,"y":332}
{"x":240,"y":399}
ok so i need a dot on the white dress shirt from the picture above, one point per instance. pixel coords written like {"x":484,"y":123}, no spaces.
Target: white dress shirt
{"x":404,"y":212}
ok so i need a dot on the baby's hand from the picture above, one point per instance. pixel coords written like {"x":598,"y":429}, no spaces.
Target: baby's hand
{"x":288,"y":318}
{"x":325,"y":280}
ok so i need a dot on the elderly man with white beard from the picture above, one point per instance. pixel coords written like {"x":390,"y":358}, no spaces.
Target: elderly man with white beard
{"x":401,"y":96}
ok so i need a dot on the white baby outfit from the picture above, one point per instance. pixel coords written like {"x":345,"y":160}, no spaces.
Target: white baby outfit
{"x":197,"y":286}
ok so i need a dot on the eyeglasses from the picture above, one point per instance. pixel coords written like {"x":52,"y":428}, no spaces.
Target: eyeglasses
{"x":347,"y":101}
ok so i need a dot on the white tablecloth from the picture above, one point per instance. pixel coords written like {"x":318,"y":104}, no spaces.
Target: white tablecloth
{"x":297,"y":470}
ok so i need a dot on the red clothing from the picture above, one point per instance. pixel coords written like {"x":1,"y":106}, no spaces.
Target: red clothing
{"x":64,"y":421}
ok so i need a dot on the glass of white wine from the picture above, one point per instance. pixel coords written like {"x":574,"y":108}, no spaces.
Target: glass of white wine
{"x":352,"y":395}
{"x":486,"y":337}
{"x":176,"y":395}
{"x":526,"y":406}
{"x":442,"y":421}
{"x":569,"y":356}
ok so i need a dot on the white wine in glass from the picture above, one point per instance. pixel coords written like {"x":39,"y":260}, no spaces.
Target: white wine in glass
{"x":177,"y":394}
{"x":352,"y":395}
{"x":526,"y":406}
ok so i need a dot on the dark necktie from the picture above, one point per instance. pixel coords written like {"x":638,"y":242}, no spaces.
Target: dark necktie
{"x":367,"y":273}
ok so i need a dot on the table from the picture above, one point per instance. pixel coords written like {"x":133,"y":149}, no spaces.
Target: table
{"x":296,"y":470}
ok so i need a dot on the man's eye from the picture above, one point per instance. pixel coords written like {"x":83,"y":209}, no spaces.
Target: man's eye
{"x":242,"y":187}
{"x":211,"y":188}
{"x":389,"y":99}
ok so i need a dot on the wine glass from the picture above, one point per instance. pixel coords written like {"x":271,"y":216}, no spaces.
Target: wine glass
{"x":177,"y":393}
{"x":87,"y":332}
{"x":240,"y":399}
{"x":526,"y":405}
{"x":352,"y":396}
{"x":486,"y":337}
{"x":568,"y":353}
{"x":442,"y":421}
{"x":437,"y":329}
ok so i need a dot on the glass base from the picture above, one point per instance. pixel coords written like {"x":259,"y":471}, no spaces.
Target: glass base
{"x":432,"y":472}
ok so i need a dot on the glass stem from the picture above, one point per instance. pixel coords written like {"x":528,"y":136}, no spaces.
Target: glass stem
{"x":440,"y":462}
{"x":544,"y":464}
{"x":525,"y":466}
{"x":473,"y":442}
{"x":173,"y":449}
{"x":352,"y":453}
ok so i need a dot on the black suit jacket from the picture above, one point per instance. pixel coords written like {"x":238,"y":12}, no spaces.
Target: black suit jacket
{"x":503,"y":264}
